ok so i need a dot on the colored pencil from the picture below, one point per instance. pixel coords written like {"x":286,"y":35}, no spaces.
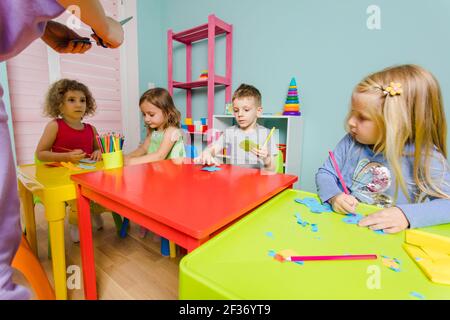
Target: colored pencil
{"x":115,"y":144}
{"x":69,"y":150}
{"x":268,"y":137}
{"x":110,"y":142}
{"x":338,"y":172}
{"x":328,"y":258}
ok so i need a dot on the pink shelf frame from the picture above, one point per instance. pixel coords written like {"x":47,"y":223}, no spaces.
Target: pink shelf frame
{"x":209,"y":31}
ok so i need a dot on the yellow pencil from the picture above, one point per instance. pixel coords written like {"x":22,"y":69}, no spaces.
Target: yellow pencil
{"x":268,"y":137}
{"x":114,"y":144}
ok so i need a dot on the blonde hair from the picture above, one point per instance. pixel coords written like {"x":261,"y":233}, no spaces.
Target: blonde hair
{"x":55,"y":97}
{"x":248,"y":91}
{"x":161,"y":99}
{"x":416,"y":116}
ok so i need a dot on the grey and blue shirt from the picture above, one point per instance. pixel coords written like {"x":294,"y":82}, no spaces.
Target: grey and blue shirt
{"x":369,"y":178}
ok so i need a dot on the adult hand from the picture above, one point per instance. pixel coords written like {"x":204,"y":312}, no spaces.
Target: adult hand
{"x":390,"y":220}
{"x":343,"y":203}
{"x":61,"y":39}
{"x":113,"y":36}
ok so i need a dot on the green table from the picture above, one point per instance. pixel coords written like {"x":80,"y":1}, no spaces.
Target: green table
{"x":236,"y":264}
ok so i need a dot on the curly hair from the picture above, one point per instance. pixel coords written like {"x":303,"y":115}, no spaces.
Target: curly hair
{"x":161,"y":98}
{"x":55,"y":97}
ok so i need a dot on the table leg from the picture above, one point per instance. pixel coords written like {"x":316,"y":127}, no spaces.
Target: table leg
{"x":56,"y":228}
{"x":86,"y":245}
{"x":26,"y":198}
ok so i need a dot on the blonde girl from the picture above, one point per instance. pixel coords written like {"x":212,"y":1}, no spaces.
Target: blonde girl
{"x":395,"y":153}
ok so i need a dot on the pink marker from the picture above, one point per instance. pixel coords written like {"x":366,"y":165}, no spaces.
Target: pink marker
{"x":324,"y":258}
{"x":336,"y":168}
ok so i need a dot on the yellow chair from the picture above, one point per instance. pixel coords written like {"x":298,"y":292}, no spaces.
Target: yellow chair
{"x":54,"y":188}
{"x":36,"y":200}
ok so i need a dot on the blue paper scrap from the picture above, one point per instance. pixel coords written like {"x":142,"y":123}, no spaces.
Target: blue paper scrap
{"x":314,"y":227}
{"x":417,"y":295}
{"x":352,"y":218}
{"x":314,"y":205}
{"x":269,"y":234}
{"x":86,"y":160}
{"x":84,"y":166}
{"x":300,"y":221}
{"x":389,"y":263}
{"x":211,"y":169}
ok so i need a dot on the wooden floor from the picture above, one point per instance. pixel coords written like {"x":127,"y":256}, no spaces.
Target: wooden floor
{"x":130,"y":268}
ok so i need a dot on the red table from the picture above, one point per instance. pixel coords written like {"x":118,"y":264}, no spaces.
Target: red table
{"x":178,"y":201}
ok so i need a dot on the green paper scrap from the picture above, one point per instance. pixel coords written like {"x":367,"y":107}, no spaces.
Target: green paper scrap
{"x":247,"y":145}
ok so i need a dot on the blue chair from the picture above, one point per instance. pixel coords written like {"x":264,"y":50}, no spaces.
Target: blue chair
{"x":191,"y":151}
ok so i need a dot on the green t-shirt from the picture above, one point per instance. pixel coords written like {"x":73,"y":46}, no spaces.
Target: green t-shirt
{"x":177,"y":150}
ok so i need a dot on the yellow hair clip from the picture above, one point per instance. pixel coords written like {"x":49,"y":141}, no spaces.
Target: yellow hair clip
{"x":393,"y":89}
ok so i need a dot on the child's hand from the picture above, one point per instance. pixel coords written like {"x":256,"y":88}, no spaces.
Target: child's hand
{"x":127,"y":160}
{"x":96,"y":155}
{"x":343,"y":203}
{"x":76,"y":155}
{"x":261,"y":153}
{"x":206,"y":158}
{"x":390,"y":220}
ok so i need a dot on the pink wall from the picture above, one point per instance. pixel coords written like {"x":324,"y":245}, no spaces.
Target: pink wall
{"x":28,"y":79}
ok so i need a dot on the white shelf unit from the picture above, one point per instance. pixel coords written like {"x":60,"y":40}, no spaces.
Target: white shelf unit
{"x":290,"y":133}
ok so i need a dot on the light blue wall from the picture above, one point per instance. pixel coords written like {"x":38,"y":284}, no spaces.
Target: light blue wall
{"x":325,"y":44}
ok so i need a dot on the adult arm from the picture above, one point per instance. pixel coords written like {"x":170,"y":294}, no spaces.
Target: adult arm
{"x":93,"y":14}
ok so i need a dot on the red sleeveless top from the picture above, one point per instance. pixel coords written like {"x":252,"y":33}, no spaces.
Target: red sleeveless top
{"x":70,"y":138}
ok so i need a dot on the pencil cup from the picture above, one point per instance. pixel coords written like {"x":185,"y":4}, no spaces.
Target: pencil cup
{"x":112,"y":160}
